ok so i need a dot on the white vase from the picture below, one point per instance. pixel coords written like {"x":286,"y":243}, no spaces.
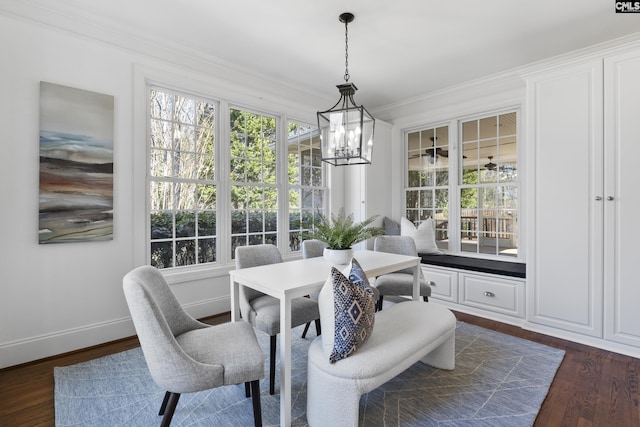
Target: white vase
{"x":338,"y":256}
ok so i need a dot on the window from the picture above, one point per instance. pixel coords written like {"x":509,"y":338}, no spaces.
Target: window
{"x":473,"y":198}
{"x":254,"y":194}
{"x":191,"y":205}
{"x":306,"y":180}
{"x":489,"y":186}
{"x":427,"y":195}
{"x":182,"y":189}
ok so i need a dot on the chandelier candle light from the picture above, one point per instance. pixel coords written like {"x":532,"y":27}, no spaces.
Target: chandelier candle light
{"x":346,"y":129}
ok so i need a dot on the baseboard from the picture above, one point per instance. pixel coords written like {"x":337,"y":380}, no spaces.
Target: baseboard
{"x":583,"y":339}
{"x":42,"y":346}
{"x":545,"y":330}
{"x":498,"y":317}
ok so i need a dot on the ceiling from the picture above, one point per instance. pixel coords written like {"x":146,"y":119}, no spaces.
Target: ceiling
{"x":397,"y":50}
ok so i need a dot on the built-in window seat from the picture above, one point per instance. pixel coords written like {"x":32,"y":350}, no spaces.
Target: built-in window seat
{"x":483,"y":287}
{"x":502,"y":268}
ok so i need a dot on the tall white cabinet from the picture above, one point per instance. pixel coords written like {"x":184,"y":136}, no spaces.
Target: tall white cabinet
{"x":583,"y":143}
{"x":622,"y":183}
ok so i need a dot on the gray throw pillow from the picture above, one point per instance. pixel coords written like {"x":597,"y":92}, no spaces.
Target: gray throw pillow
{"x":391,"y":228}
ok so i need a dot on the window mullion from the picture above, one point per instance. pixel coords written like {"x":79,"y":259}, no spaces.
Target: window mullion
{"x":455,"y":165}
{"x":282,"y":181}
{"x":223,"y":199}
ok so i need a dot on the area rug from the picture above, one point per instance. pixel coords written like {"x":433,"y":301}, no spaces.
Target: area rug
{"x":499,"y":380}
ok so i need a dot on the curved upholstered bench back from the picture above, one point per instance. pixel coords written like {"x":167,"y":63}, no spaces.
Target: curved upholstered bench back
{"x":402,"y":335}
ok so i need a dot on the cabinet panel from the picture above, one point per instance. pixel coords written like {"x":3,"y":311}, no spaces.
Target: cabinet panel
{"x":446,"y":283}
{"x":503,"y":296}
{"x":565,"y":156}
{"x":622,"y":230}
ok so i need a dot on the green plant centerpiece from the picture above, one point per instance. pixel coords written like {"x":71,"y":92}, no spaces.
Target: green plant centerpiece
{"x":340,"y":232}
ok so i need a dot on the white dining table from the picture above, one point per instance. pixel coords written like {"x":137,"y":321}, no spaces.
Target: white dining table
{"x":293,"y":279}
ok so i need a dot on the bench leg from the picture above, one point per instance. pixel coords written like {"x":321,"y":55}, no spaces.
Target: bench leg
{"x":331,"y":401}
{"x":443,"y":356}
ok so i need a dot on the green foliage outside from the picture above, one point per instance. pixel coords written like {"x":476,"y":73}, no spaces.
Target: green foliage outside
{"x":469,"y":196}
{"x":241,"y":223}
{"x":180,"y":211}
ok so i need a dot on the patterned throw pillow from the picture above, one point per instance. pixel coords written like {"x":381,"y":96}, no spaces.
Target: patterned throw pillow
{"x":354,"y":311}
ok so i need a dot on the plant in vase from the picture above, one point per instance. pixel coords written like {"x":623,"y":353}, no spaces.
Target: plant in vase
{"x":340,"y":233}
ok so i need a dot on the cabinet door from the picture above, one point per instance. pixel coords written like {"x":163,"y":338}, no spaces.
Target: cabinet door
{"x":565,"y":172}
{"x":492,"y":293}
{"x":622,"y":230}
{"x":445,"y":283}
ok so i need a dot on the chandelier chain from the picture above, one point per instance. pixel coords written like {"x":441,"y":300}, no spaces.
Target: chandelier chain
{"x":346,"y":51}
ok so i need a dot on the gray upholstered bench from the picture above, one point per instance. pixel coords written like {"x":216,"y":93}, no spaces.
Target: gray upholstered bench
{"x":402,"y":335}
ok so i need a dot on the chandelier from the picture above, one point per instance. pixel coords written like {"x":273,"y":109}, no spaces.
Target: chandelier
{"x":346,"y":129}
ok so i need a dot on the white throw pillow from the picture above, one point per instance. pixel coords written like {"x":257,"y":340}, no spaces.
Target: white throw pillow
{"x":424,"y":235}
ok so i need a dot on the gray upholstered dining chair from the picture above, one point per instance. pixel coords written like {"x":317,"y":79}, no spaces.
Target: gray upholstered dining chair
{"x":312,"y":248}
{"x":263,"y":311}
{"x":185,"y":355}
{"x":399,"y":282}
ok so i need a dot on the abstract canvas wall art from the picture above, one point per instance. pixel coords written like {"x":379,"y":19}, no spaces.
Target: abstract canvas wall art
{"x":76,"y":165}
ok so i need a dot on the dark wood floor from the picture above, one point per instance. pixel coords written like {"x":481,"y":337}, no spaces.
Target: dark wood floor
{"x":593,"y":387}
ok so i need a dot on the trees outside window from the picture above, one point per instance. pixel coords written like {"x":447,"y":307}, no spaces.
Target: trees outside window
{"x":306,"y":180}
{"x":252,"y":176}
{"x":186,"y":190}
{"x":182,"y":188}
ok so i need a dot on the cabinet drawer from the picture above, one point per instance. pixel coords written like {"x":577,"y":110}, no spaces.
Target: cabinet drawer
{"x":495,"y":294}
{"x":445,"y":285}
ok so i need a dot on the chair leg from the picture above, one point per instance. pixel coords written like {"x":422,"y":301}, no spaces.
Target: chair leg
{"x":257,"y":409}
{"x":380,"y":303}
{"x":164,"y":403}
{"x":318,"y":328}
{"x":425,"y":298}
{"x":170,"y":409}
{"x":306,"y":328}
{"x":247,"y":390}
{"x":272,"y":365}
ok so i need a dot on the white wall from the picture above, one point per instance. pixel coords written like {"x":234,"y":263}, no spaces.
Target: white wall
{"x":59,"y":297}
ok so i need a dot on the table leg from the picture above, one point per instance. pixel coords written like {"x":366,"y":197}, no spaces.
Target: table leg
{"x":285,"y":361}
{"x":235,"y":301}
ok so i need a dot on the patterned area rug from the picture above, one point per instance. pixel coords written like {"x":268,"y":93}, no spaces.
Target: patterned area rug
{"x":499,"y":380}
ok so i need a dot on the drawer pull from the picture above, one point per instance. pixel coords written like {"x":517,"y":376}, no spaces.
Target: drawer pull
{"x":489,"y":294}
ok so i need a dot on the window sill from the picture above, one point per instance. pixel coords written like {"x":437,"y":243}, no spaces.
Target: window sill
{"x":188,"y":274}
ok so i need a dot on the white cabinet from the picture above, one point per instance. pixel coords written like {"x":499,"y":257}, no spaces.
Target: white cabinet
{"x":490,"y":293}
{"x":445,"y":283}
{"x":477,"y":293}
{"x":583,"y":142}
{"x":565,"y":152}
{"x":622,"y":182}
